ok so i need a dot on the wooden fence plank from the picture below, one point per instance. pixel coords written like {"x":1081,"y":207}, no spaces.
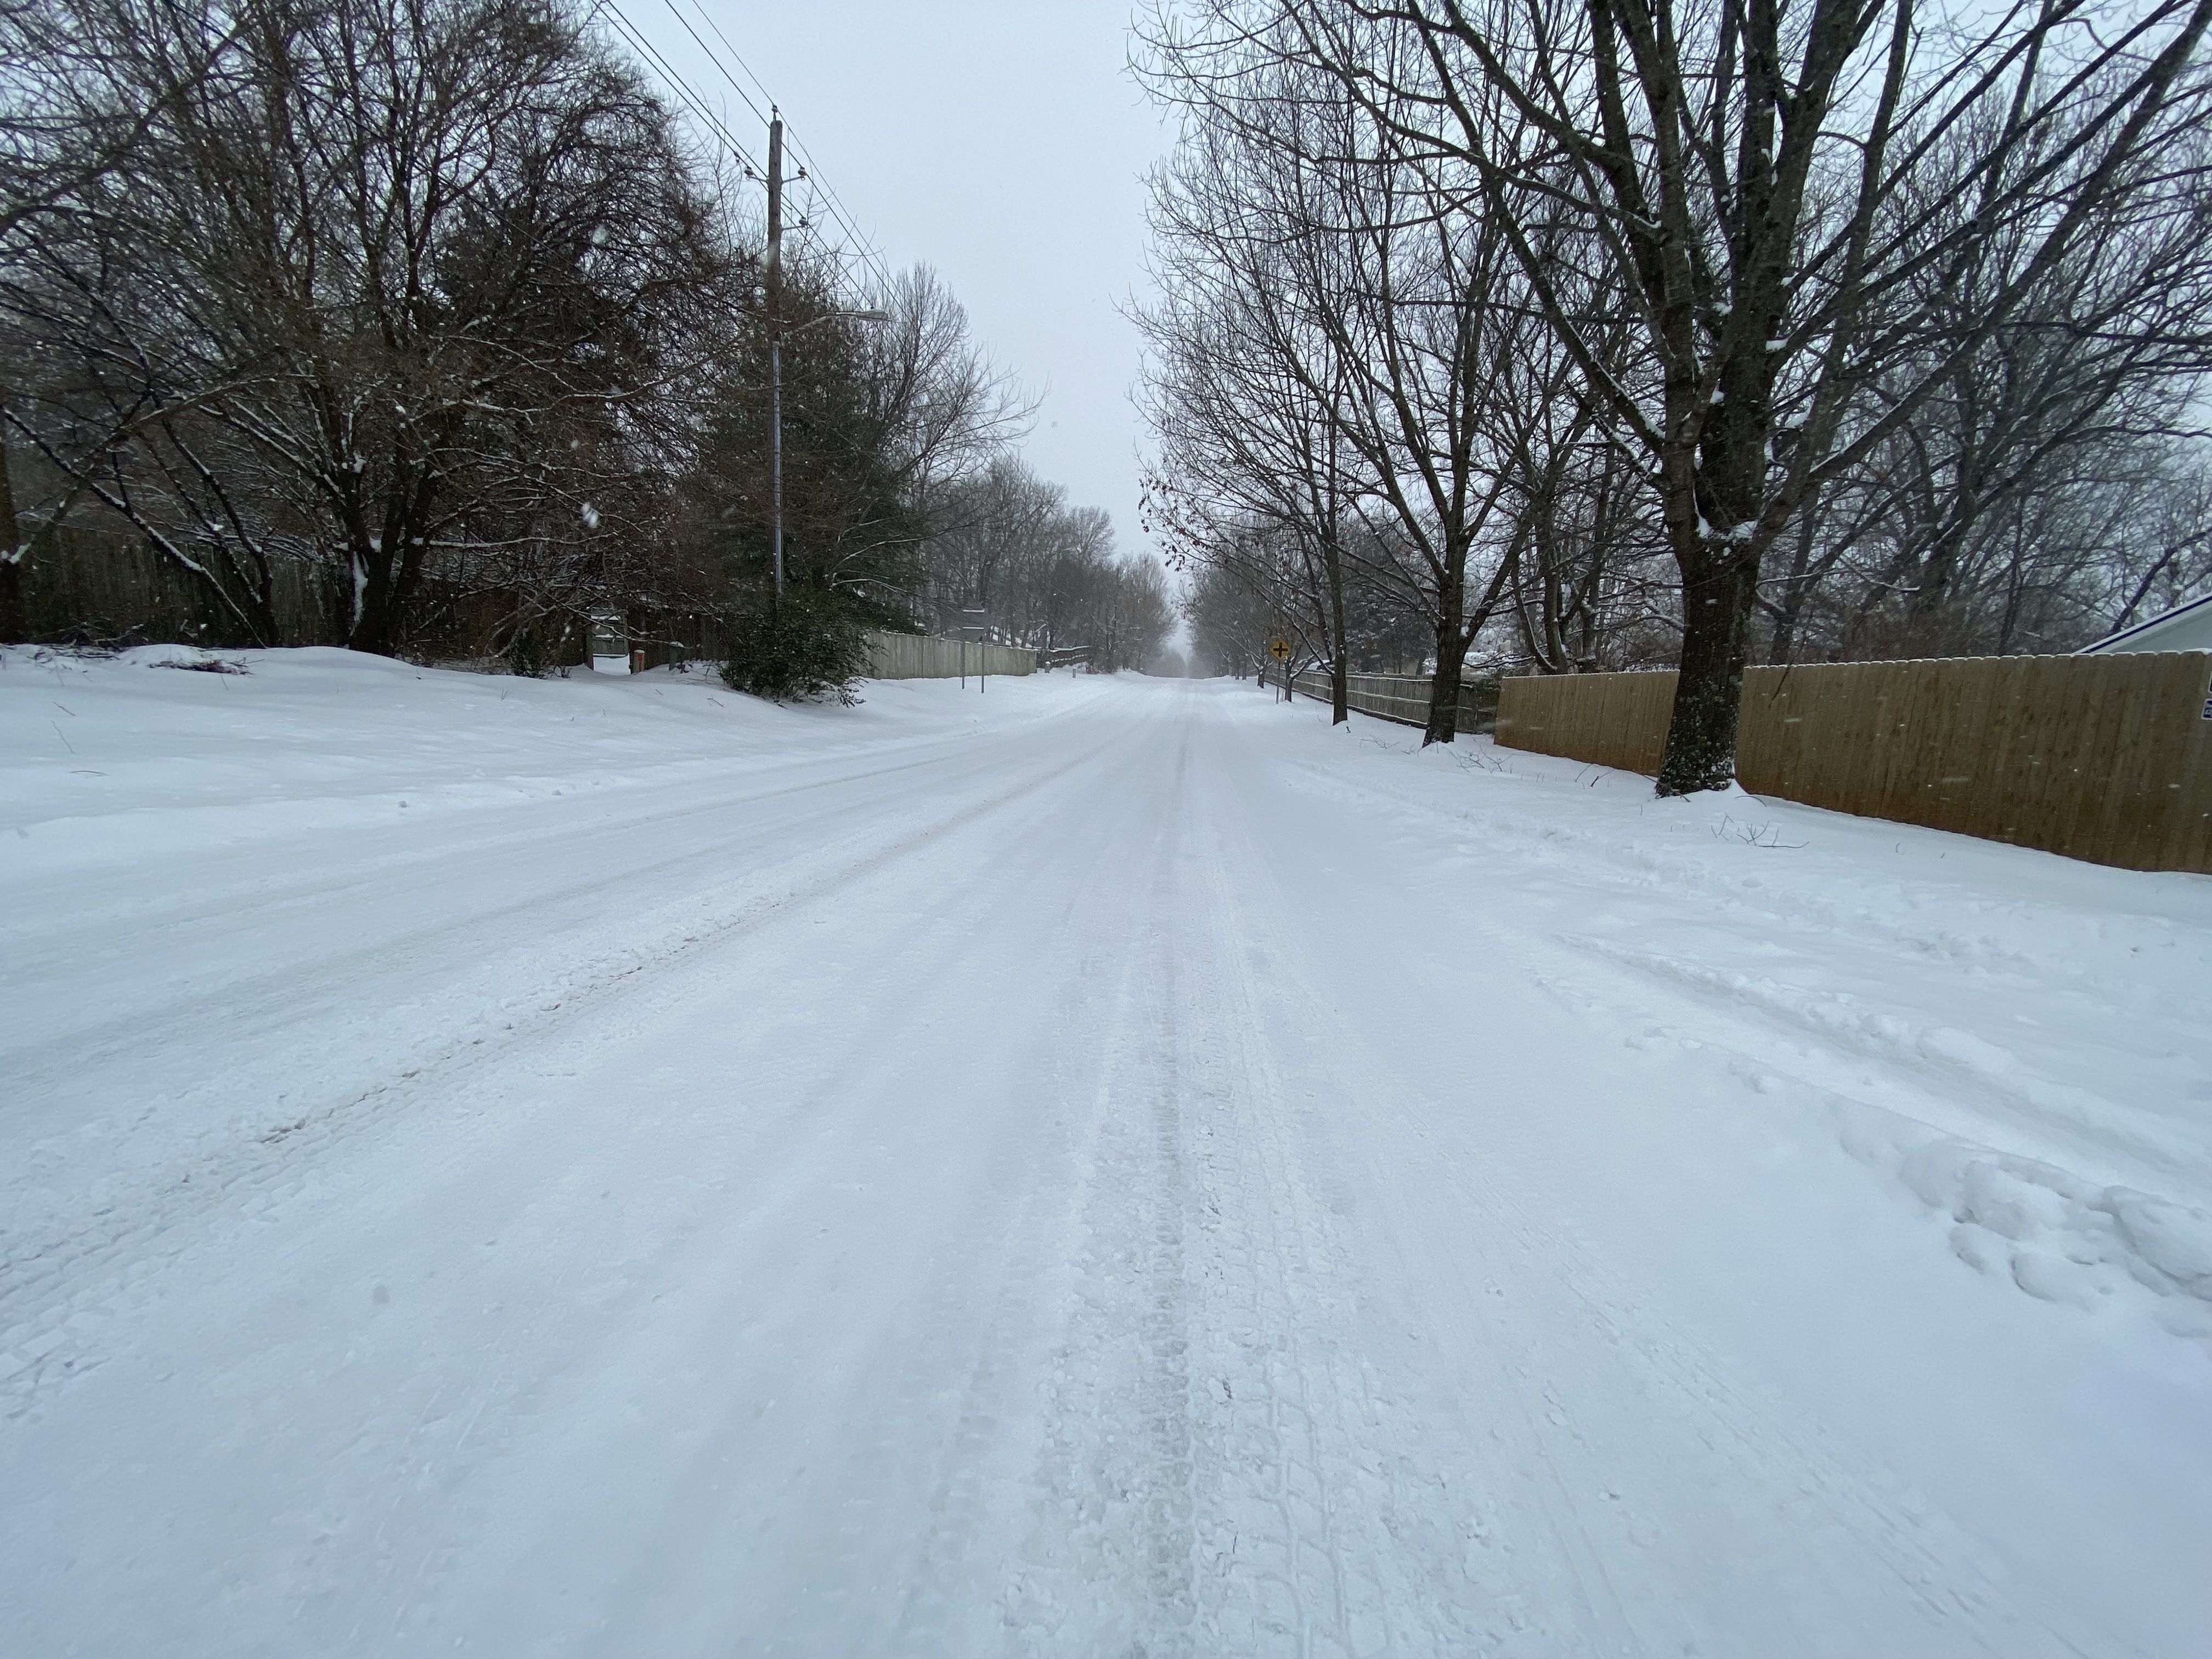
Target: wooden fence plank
{"x":2192,"y":814}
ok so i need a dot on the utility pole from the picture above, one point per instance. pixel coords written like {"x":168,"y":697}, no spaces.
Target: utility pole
{"x":775,"y":345}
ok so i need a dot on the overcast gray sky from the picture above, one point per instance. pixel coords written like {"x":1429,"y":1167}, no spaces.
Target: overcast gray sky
{"x":1000,"y":141}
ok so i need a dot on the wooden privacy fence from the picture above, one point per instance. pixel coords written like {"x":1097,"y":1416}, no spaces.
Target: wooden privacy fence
{"x":926,"y":657}
{"x":2106,"y":758}
{"x":87,"y":589}
{"x":658,"y":638}
{"x":1611,"y":719}
{"x":99,"y":588}
{"x":1404,"y":697}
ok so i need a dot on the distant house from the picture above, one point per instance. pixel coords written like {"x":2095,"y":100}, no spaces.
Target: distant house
{"x":2185,"y":628}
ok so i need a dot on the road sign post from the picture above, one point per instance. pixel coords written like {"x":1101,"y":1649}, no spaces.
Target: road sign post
{"x":975,"y":624}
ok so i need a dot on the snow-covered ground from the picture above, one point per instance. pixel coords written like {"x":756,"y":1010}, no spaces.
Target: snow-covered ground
{"x":602,"y":1166}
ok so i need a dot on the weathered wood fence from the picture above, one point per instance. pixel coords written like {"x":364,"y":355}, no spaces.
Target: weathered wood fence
{"x":87,"y":589}
{"x":1404,"y":697}
{"x":97,"y":588}
{"x":1610,"y":720}
{"x":2106,"y":758}
{"x":927,"y":657}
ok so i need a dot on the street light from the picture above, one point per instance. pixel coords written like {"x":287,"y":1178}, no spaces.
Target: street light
{"x":776,"y":418}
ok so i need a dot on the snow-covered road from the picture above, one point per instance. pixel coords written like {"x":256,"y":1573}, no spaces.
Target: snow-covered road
{"x":1104,"y":1168}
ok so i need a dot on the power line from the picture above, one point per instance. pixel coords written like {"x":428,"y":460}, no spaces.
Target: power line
{"x":839,"y":212}
{"x":820,"y":189}
{"x":685,"y":94}
{"x":822,"y":195}
{"x":716,"y":29}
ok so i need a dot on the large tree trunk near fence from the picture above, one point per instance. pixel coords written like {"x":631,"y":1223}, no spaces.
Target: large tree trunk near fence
{"x":1451,"y":653}
{"x":1719,"y":584}
{"x":385,"y":583}
{"x":13,"y":623}
{"x":1339,"y":670}
{"x":1443,"y":690}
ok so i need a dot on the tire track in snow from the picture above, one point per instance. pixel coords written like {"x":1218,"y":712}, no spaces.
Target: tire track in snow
{"x":58,"y":1290}
{"x":1213,"y":1478}
{"x":1315,"y":1511}
{"x":977,"y":1313}
{"x":1107,"y":1565}
{"x":969,"y":1592}
{"x":263,"y":1004}
{"x":1620,"y":1489}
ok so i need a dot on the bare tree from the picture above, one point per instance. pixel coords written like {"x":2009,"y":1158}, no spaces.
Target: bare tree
{"x":1752,"y":177}
{"x":1231,"y":622}
{"x":1045,"y":573}
{"x":1946,"y":532}
{"x":62,"y":132}
{"x":1246,"y":385}
{"x":390,"y":288}
{"x":1334,"y":338}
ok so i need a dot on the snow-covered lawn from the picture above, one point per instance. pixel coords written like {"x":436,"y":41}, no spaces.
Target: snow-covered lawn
{"x":604,"y":1166}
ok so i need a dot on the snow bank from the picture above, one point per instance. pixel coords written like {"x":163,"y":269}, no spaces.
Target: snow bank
{"x":2015,"y":1041}
{"x":2056,"y":1236}
{"x":97,"y":754}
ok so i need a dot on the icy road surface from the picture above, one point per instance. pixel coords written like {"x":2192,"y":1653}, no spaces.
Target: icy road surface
{"x":1101,"y":1168}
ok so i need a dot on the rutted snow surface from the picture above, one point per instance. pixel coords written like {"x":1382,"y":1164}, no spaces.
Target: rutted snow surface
{"x":1095,"y":1167}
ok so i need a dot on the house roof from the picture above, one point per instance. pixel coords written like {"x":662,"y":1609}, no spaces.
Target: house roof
{"x":2159,"y":621}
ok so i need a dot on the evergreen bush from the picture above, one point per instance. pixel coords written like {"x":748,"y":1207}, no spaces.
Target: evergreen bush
{"x":805,"y":646}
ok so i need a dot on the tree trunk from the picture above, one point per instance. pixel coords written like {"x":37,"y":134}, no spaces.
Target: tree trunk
{"x":386,"y":579}
{"x":1339,"y":675}
{"x":1713,"y":520}
{"x":1451,"y":647}
{"x":1719,"y":583}
{"x":14,"y":625}
{"x":371,"y":628}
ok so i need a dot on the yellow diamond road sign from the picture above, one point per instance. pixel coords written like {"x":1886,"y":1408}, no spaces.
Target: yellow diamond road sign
{"x":1279,"y":649}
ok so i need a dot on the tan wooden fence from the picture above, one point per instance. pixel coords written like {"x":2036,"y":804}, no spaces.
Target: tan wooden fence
{"x":1403,"y":697}
{"x":926,"y":657}
{"x":1610,"y":720}
{"x":2106,"y":758}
